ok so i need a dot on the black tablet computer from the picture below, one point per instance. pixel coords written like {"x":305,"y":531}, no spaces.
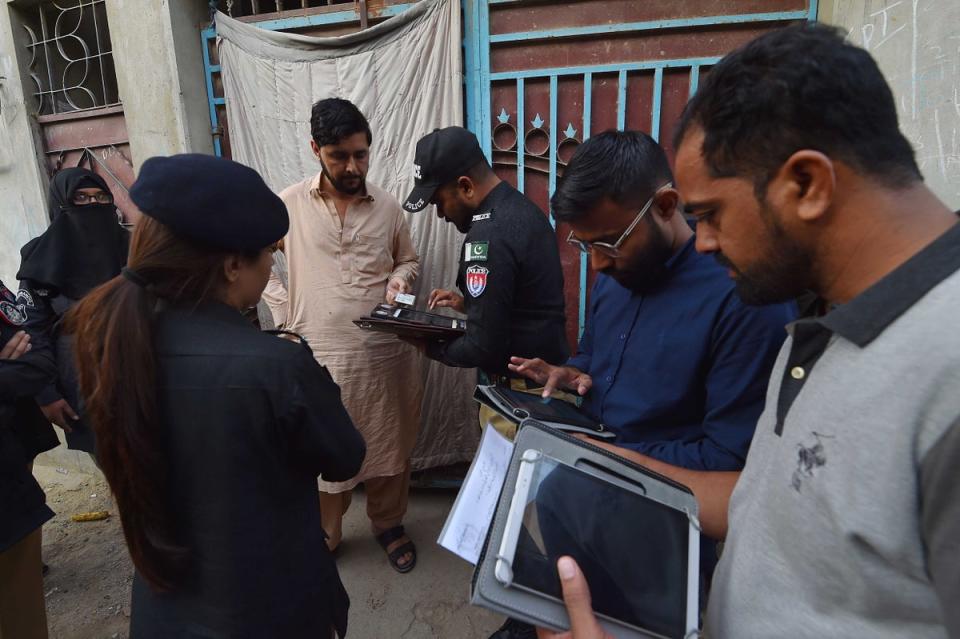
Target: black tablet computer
{"x":408,"y":322}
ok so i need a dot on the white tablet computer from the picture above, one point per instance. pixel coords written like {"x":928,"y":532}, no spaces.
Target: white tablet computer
{"x":637,"y":545}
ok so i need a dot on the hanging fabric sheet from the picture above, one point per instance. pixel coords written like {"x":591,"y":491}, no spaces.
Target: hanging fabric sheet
{"x":405,"y":75}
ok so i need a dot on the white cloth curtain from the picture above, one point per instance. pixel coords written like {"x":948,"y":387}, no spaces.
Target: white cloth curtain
{"x":405,"y":75}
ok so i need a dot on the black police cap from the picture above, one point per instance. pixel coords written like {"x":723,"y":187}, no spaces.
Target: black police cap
{"x":441,"y":157}
{"x":211,"y":200}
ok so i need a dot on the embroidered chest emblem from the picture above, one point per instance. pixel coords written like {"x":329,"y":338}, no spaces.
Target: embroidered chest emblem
{"x":811,"y":456}
{"x":477,"y":280}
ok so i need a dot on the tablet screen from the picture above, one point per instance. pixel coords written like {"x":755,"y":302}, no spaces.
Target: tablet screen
{"x":549,"y":409}
{"x":632,"y":550}
{"x":419,"y":317}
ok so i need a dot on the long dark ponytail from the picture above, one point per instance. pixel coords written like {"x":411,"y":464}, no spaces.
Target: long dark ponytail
{"x":113,"y":330}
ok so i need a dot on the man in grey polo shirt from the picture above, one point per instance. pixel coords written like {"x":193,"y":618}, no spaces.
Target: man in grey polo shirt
{"x":846,"y":519}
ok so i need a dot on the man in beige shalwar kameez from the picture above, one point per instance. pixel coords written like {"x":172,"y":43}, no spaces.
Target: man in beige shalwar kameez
{"x":348,"y":249}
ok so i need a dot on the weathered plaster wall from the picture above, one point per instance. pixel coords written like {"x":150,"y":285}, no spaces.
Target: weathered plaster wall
{"x":23,"y":183}
{"x":917,"y":44}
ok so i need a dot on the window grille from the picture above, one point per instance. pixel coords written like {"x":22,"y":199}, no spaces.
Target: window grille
{"x":70,"y":57}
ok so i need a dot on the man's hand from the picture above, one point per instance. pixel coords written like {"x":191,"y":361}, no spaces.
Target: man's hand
{"x":442,"y":298}
{"x":395,"y":286}
{"x":576,"y":597}
{"x":15,"y":346}
{"x":61,"y":414}
{"x":550,"y":376}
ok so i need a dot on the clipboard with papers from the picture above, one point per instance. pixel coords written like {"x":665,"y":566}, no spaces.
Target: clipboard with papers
{"x":408,"y":322}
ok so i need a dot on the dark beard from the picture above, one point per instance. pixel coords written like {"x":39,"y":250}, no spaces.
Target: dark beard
{"x":783,"y":274}
{"x":339,"y":184}
{"x":647,"y":270}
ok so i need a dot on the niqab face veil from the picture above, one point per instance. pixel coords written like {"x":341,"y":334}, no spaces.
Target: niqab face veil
{"x":83,"y":247}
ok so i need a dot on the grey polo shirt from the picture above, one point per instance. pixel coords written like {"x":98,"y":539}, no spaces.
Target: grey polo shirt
{"x":846,"y":519}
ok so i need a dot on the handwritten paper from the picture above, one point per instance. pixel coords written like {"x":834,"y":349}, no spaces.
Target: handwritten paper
{"x":466,"y":527}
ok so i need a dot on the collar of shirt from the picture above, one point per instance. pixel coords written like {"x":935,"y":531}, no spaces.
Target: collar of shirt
{"x":865,"y":317}
{"x":493,"y":197}
{"x":214,"y":308}
{"x":317,"y":189}
{"x":683,"y":254}
{"x":674,"y":265}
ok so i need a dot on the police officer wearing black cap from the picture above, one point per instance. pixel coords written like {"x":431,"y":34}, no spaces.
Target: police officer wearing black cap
{"x":509,"y":274}
{"x":210,"y":432}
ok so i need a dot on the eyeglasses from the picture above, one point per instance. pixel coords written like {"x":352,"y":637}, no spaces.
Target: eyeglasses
{"x":613,"y":250}
{"x":82,"y":199}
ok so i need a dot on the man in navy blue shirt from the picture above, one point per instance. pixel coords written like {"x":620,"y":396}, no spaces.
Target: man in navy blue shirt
{"x":671,"y":360}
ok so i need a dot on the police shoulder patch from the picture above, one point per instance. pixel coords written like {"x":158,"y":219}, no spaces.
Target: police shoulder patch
{"x":13,"y":314}
{"x":24,"y":297}
{"x":476,"y":251}
{"x":477,"y":280}
{"x":483,"y":216}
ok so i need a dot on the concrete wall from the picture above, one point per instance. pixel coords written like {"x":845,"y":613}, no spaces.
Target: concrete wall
{"x":159,"y":66}
{"x":917,"y":45}
{"x":160,"y":75}
{"x":23,"y":184}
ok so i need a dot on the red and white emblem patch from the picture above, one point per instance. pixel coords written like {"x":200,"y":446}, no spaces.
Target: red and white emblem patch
{"x":10,"y":311}
{"x":477,"y":280}
{"x":13,"y":314}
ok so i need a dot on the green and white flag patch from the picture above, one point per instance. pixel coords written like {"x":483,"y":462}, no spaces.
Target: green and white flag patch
{"x":476,"y":251}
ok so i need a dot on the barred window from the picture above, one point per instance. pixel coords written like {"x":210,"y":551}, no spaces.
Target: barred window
{"x":70,"y":57}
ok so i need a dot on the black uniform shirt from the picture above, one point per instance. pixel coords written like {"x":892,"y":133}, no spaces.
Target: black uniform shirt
{"x":512,"y":287}
{"x":23,"y":505}
{"x":46,"y":307}
{"x":250,"y":420}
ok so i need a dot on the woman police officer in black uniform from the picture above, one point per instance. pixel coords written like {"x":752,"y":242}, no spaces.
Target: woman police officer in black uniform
{"x":211,"y":433}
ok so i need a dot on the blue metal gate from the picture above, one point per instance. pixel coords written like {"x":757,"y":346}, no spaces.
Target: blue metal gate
{"x":540,"y":77}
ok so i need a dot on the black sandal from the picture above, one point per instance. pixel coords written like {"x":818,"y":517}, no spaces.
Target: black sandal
{"x":391,"y":535}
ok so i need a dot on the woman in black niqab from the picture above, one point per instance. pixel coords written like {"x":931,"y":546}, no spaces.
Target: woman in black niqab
{"x":83,"y":247}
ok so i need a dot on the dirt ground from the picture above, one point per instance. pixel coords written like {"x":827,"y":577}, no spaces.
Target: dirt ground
{"x":88,"y":585}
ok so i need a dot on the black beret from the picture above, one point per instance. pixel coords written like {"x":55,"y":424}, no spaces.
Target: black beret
{"x":211,"y":200}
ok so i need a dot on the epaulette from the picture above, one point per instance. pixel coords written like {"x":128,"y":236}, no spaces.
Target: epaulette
{"x":293,"y":337}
